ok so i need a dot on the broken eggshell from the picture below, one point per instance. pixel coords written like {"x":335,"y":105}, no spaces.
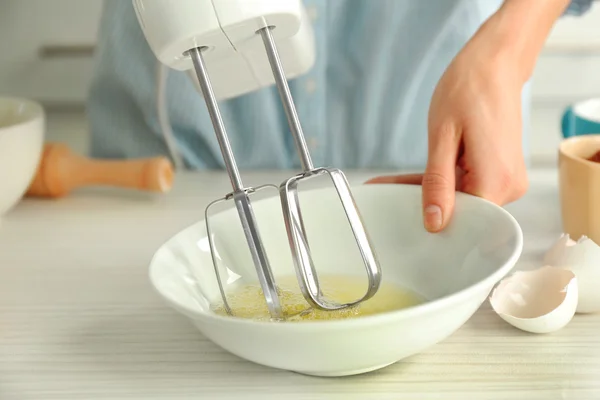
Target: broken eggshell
{"x":539,"y":301}
{"x":583,"y":258}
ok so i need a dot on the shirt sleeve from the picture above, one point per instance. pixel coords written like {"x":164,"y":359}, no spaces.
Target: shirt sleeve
{"x":578,"y":7}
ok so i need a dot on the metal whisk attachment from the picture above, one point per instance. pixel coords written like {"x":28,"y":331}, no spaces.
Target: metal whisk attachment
{"x":288,"y":191}
{"x":240,"y":196}
{"x":308,"y":280}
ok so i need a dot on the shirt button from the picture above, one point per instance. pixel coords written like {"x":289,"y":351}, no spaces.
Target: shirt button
{"x":312,"y":13}
{"x":311,"y":86}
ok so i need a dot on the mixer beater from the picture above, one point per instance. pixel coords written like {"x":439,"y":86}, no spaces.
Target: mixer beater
{"x":288,"y":191}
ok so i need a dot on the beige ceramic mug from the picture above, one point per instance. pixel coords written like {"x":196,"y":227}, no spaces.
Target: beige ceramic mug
{"x":580,"y":186}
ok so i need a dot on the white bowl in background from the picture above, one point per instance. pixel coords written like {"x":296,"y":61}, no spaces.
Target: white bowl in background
{"x":22,"y":129}
{"x":454,"y":270}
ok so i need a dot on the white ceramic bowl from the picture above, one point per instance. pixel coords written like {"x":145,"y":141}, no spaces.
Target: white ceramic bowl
{"x":22,"y":127}
{"x":454,"y":270}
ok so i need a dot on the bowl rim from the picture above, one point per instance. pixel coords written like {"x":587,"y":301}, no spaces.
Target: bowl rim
{"x":39,"y":112}
{"x":368,"y":320}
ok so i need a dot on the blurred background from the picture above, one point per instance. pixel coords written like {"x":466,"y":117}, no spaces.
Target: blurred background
{"x":49,"y":59}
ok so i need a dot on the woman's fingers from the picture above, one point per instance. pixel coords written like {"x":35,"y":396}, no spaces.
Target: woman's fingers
{"x":439,"y":189}
{"x":439,"y":180}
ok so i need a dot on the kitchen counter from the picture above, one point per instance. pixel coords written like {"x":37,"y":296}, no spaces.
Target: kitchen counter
{"x":79,"y":319}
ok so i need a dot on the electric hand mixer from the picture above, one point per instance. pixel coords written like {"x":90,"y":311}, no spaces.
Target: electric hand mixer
{"x":231,"y":46}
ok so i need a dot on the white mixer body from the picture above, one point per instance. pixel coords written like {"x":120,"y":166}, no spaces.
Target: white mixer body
{"x":235,"y":54}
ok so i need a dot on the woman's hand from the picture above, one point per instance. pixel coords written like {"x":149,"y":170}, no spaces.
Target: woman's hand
{"x":474,"y":137}
{"x":475,"y":123}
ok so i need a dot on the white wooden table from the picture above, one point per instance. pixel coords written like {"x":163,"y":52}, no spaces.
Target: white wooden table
{"x":79,"y":320}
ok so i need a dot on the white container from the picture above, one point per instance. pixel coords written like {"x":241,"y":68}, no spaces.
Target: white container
{"x":22,"y":128}
{"x":454,"y":270}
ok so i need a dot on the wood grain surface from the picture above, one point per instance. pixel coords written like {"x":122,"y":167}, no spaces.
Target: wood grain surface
{"x":79,"y":320}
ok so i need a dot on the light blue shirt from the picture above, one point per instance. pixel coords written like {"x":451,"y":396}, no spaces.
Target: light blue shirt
{"x":363,"y":105}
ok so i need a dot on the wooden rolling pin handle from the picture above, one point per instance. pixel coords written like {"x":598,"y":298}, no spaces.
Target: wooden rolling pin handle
{"x":61,"y":171}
